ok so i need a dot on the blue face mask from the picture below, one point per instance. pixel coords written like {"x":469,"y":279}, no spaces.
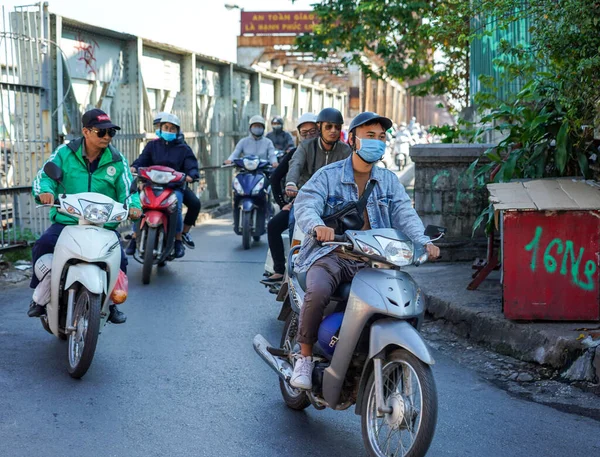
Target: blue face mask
{"x":168,"y":136}
{"x":371,"y":150}
{"x":157,"y":131}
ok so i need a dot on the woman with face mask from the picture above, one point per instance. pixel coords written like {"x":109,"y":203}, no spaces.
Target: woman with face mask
{"x":255,"y":144}
{"x":170,"y":150}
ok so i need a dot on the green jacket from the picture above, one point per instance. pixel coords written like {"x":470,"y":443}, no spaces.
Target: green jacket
{"x":112,"y":178}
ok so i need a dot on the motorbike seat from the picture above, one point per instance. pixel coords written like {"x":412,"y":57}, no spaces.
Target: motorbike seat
{"x":341,"y":293}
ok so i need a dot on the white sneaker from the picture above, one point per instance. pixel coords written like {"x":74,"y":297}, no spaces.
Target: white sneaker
{"x":302,"y":376}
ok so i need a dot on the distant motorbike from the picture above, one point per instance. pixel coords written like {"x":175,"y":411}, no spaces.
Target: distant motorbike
{"x":370,"y":352}
{"x":252,"y":207}
{"x":84,"y":269}
{"x":156,"y":232}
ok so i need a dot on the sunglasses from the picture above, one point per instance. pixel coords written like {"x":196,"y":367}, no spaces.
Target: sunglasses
{"x":328,"y":126}
{"x":102,"y":132}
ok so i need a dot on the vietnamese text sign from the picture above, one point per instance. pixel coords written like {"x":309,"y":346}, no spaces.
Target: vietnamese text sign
{"x":277,"y":23}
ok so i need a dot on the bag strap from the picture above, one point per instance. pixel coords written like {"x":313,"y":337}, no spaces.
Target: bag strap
{"x":361,"y":204}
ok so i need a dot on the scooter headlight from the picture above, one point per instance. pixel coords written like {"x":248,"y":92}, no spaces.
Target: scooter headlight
{"x":96,"y":213}
{"x":119,"y":217}
{"x":399,"y":253}
{"x":71,"y":209}
{"x":160,"y":177}
{"x":251,"y":164}
{"x":258,"y":186}
{"x":238,"y":187}
{"x":170,"y":202}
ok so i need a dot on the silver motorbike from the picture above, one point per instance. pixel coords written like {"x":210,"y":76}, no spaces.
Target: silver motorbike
{"x":380,"y":362}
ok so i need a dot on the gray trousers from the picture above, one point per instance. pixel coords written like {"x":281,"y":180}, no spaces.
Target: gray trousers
{"x":322,"y":280}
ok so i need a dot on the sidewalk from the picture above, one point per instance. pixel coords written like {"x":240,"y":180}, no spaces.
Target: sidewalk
{"x":573,"y":348}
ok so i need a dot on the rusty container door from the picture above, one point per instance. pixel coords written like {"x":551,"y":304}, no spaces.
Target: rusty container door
{"x":550,"y":264}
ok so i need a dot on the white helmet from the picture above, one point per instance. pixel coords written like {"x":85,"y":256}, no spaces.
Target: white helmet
{"x":171,"y":118}
{"x":258,"y":119}
{"x":306,"y":117}
{"x":159,"y":116}
{"x":43,"y":266}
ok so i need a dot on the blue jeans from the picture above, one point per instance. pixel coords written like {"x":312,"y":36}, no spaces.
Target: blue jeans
{"x":292,"y":223}
{"x":179,"y":226}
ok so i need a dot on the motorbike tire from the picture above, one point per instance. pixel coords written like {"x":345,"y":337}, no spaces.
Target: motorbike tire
{"x":256,"y":238}
{"x":149,"y":254}
{"x":246,"y":229}
{"x":293,"y":398}
{"x":428,"y":413}
{"x":90,"y":304}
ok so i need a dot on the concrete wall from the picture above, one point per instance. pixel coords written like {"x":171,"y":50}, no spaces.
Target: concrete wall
{"x":445,"y":195}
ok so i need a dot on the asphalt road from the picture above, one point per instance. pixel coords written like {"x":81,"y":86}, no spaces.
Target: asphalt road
{"x":181,"y":379}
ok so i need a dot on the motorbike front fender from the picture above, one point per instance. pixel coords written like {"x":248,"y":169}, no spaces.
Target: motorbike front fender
{"x":394,"y":332}
{"x":247,"y":204}
{"x":92,"y":277}
{"x":155,"y":218}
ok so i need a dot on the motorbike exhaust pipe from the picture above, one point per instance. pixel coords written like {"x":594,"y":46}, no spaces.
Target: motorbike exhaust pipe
{"x":280,"y":366}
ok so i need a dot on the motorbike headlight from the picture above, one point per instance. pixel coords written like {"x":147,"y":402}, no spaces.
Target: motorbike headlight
{"x":251,"y":164}
{"x":237,"y":186}
{"x":97,"y":213}
{"x":144,"y":198}
{"x":71,"y":209}
{"x":160,"y":177}
{"x":170,"y":201}
{"x":258,"y":186}
{"x":399,"y":253}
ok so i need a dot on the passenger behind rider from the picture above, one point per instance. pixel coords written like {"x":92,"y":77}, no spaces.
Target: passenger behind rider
{"x":311,"y":155}
{"x":329,"y":190}
{"x":281,"y":139}
{"x":255,"y":143}
{"x":170,"y":151}
{"x":89,"y":164}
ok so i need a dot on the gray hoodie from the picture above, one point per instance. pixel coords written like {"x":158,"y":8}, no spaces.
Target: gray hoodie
{"x":310,"y":156}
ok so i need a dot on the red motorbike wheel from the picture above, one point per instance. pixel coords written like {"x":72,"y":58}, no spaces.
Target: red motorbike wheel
{"x":149,"y":254}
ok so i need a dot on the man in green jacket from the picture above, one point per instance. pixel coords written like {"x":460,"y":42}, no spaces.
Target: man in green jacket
{"x":89,"y":164}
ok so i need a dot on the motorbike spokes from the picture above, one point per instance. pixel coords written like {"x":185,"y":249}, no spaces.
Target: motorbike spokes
{"x":394,"y":434}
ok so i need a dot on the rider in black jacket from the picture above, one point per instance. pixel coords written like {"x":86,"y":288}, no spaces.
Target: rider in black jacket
{"x":307,"y":128}
{"x":171,"y":150}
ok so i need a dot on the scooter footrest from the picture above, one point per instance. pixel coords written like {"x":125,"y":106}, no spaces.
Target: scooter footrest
{"x":278,"y":352}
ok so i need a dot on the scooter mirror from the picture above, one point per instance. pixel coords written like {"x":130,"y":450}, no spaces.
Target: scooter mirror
{"x":435,"y":231}
{"x":53,"y":171}
{"x":134,"y":186}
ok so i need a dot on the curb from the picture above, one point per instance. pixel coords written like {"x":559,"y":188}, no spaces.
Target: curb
{"x":522,"y":341}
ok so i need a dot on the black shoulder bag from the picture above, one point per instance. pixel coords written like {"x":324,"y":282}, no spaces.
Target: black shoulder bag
{"x":351,"y":216}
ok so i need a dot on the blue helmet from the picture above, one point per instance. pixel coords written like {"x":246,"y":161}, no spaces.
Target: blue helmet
{"x":329,"y":332}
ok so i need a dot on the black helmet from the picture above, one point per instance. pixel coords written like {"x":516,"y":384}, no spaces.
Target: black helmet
{"x":368,"y":117}
{"x":277,"y":119}
{"x":330,"y":115}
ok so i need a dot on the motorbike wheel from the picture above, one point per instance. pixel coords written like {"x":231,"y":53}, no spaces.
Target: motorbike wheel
{"x":409,"y":388}
{"x":82,"y":342}
{"x":293,"y":398}
{"x":256,"y":238}
{"x":246,"y":229}
{"x":149,"y":254}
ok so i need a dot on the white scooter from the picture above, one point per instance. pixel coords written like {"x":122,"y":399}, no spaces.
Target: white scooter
{"x":85,"y":268}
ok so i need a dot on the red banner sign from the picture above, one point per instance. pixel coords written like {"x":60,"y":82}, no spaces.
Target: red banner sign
{"x":277,"y":22}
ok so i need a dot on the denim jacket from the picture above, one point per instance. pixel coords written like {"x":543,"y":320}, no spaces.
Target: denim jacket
{"x":333,"y":186}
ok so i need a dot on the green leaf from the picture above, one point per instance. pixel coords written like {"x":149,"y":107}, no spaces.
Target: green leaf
{"x":561,"y":154}
{"x":508,"y":169}
{"x":583,"y":164}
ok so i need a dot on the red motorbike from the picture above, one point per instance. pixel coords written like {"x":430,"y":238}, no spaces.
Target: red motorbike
{"x":156,"y":232}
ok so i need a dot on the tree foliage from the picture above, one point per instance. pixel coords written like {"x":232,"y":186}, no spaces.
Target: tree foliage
{"x":425,"y":43}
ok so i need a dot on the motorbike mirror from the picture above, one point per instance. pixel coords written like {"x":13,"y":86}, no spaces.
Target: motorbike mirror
{"x":53,"y":171}
{"x":134,"y":187}
{"x":435,"y":231}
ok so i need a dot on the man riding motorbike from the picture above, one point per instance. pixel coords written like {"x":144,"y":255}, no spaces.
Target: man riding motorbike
{"x":170,"y":151}
{"x":307,"y":129}
{"x":89,"y":164}
{"x":329,"y":190}
{"x":255,"y":143}
{"x":281,"y":139}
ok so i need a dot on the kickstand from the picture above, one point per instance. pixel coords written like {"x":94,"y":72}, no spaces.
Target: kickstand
{"x":485,"y":266}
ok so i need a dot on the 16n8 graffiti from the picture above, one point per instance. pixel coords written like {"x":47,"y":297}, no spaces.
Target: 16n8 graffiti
{"x":551,"y":258}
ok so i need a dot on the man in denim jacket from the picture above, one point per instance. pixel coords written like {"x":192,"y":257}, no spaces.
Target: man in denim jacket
{"x":329,"y":190}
